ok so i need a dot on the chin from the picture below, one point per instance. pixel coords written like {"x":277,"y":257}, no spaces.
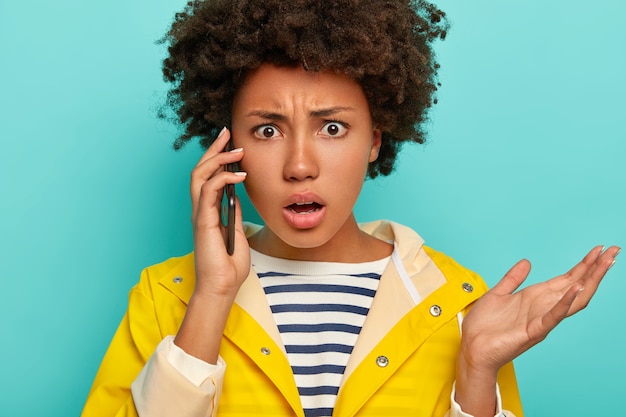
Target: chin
{"x":302,"y":239}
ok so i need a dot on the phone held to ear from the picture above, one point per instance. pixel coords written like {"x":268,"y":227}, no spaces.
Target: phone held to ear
{"x":228,"y":207}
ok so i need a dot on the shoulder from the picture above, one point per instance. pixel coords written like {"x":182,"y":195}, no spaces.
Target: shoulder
{"x":422,"y":261}
{"x":454,"y":272}
{"x":171,"y":265}
{"x":157,"y":303}
{"x":174,"y":275}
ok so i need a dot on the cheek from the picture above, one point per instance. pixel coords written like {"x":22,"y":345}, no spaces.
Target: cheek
{"x":347,"y":177}
{"x":255,"y":163}
{"x":261,"y":176}
{"x":350,"y":164}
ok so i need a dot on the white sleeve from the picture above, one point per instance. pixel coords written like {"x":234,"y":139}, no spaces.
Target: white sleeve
{"x":173,"y":383}
{"x":455,"y":408}
{"x":195,"y":370}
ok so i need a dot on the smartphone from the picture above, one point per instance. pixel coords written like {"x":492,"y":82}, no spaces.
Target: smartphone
{"x":228,"y":207}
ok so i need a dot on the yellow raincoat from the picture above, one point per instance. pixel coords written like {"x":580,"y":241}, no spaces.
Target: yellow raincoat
{"x":403,"y":363}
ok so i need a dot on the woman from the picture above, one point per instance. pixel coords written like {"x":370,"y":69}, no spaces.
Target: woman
{"x":314,"y":314}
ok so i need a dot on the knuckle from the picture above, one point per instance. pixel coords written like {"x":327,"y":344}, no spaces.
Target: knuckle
{"x":202,"y":223}
{"x":195,"y":174}
{"x":205,"y":188}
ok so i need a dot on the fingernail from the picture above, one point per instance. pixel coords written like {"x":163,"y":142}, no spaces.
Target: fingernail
{"x":236,"y":150}
{"x":618,"y":252}
{"x":612,"y":263}
{"x":241,"y":173}
{"x":221,"y":132}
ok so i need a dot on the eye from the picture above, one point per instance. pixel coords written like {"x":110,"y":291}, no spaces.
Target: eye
{"x":266,"y":132}
{"x":334,"y":129}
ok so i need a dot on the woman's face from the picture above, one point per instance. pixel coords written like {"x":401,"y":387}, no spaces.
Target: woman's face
{"x":308,"y":139}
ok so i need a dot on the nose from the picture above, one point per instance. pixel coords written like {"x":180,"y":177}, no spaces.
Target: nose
{"x":301,"y":162}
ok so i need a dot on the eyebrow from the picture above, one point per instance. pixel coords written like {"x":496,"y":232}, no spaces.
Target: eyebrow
{"x":314,"y":114}
{"x":329,"y":112}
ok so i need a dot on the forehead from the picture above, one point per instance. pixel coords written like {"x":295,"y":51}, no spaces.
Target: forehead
{"x":277,"y":87}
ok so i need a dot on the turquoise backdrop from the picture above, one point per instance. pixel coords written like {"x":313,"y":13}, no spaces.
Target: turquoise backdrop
{"x":526,"y":158}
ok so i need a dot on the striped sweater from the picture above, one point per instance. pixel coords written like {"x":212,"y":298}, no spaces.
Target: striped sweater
{"x":319,"y":308}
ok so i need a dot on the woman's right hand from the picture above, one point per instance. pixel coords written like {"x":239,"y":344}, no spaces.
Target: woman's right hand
{"x":217,"y":273}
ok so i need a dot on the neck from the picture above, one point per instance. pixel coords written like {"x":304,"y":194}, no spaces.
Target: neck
{"x":349,"y":245}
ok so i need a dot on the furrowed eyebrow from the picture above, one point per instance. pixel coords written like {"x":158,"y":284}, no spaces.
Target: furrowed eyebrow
{"x":314,"y":114}
{"x":329,"y":111}
{"x":267,"y":115}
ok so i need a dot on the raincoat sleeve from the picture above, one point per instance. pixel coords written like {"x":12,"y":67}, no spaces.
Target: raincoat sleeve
{"x":139,"y":376}
{"x":456,"y":411}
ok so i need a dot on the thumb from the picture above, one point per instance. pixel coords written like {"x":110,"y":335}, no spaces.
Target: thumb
{"x":512,"y":279}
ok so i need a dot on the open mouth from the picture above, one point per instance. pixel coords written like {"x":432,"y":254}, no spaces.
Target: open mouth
{"x":304,"y":208}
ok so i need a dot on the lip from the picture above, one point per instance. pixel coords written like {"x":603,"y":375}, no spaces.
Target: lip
{"x":306,"y":197}
{"x":305,"y":220}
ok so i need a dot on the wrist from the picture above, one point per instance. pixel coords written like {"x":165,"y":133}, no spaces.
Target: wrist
{"x":476,"y":387}
{"x":213,"y":295}
{"x":201,"y":331}
{"x":473,"y":367}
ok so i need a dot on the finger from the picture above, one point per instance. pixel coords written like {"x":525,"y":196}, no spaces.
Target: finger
{"x":217,"y":146}
{"x":591,"y":280}
{"x":211,"y":166}
{"x":201,"y":171}
{"x":207,"y":206}
{"x":600,"y":266}
{"x":581,"y":268}
{"x":512,"y":279}
{"x":614,"y":251}
{"x":208,"y":170}
{"x":561,"y":309}
{"x":238,"y":215}
{"x":197,"y":177}
{"x":607,"y":258}
{"x":240,"y":233}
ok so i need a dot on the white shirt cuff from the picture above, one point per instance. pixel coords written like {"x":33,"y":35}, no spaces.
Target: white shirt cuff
{"x":455,"y":408}
{"x":195,"y":370}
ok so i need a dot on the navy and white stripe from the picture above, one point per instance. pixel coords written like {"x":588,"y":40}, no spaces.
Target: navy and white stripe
{"x":319,"y":308}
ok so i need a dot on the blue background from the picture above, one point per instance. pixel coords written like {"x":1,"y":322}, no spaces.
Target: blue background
{"x":525,"y":159}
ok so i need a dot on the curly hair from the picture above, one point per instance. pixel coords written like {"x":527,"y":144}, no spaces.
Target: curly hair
{"x":385,"y":45}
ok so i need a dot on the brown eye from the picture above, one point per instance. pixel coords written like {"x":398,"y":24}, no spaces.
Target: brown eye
{"x":334,"y":129}
{"x":266,"y":132}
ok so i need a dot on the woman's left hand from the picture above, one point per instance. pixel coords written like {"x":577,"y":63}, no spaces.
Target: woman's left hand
{"x":503,"y":324}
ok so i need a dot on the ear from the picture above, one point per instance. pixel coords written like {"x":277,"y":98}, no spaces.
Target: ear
{"x":377,"y":140}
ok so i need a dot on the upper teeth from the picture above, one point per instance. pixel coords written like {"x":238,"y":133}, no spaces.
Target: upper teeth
{"x":303,"y":204}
